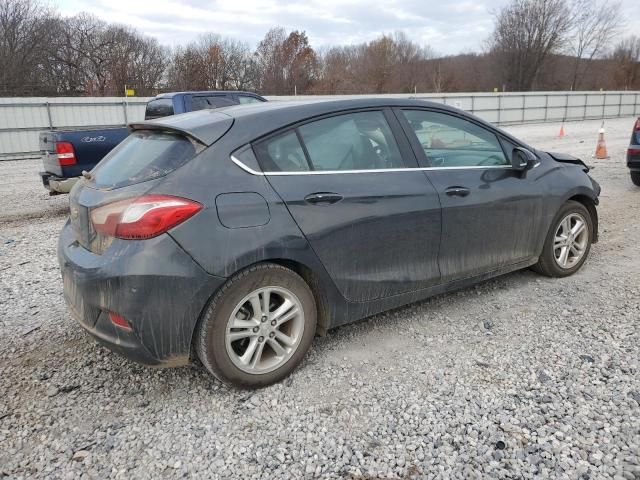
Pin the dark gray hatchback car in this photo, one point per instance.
(238, 234)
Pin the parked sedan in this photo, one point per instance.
(237, 235)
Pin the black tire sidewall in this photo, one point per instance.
(548, 257)
(635, 178)
(211, 342)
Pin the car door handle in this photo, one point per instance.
(457, 191)
(325, 198)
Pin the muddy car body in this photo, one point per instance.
(272, 223)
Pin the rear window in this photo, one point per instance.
(144, 155)
(160, 107)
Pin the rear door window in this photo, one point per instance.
(351, 141)
(160, 107)
(354, 141)
(144, 155)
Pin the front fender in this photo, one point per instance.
(589, 198)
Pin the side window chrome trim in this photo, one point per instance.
(374, 170)
(245, 167)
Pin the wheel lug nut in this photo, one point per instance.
(271, 335)
(261, 339)
(264, 318)
(273, 323)
(255, 329)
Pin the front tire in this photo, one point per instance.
(568, 242)
(635, 178)
(258, 327)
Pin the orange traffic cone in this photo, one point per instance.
(601, 149)
(562, 134)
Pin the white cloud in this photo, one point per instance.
(449, 27)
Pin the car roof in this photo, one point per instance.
(251, 121)
(207, 92)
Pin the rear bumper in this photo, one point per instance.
(152, 283)
(633, 157)
(56, 184)
(633, 165)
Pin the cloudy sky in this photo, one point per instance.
(448, 26)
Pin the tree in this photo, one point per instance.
(525, 34)
(286, 62)
(212, 63)
(596, 23)
(25, 32)
(389, 63)
(135, 61)
(411, 64)
(242, 66)
(92, 57)
(626, 58)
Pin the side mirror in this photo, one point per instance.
(522, 159)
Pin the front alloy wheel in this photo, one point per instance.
(568, 241)
(571, 240)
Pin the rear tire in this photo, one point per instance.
(258, 327)
(567, 246)
(635, 178)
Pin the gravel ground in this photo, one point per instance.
(519, 377)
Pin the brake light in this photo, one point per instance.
(143, 217)
(633, 151)
(66, 154)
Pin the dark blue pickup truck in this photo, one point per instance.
(65, 154)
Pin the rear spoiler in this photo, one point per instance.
(566, 158)
(204, 126)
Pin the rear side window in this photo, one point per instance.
(160, 107)
(246, 99)
(282, 153)
(204, 103)
(144, 155)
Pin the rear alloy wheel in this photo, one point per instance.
(264, 330)
(257, 338)
(568, 241)
(635, 178)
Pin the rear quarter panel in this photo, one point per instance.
(223, 250)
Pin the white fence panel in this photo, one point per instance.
(21, 119)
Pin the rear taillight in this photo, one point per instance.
(143, 217)
(66, 154)
(633, 152)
